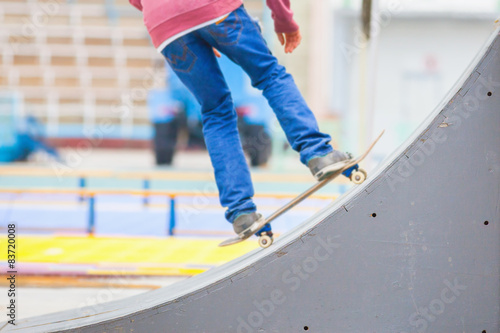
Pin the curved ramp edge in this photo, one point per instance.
(416, 248)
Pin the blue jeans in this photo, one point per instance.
(240, 39)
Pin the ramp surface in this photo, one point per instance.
(416, 248)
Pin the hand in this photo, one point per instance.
(217, 53)
(290, 40)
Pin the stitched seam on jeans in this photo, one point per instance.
(217, 36)
(185, 49)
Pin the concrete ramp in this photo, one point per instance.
(416, 248)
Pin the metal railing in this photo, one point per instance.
(171, 220)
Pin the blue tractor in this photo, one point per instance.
(174, 108)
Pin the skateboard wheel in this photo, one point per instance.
(265, 241)
(358, 176)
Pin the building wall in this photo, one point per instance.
(417, 59)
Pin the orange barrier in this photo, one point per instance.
(88, 193)
(151, 175)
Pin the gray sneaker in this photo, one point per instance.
(322, 166)
(245, 222)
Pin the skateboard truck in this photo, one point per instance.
(355, 174)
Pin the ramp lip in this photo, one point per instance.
(117, 309)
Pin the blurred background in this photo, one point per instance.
(103, 164)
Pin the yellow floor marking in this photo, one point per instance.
(142, 256)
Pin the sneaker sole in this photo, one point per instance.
(331, 169)
(252, 229)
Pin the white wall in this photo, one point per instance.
(418, 59)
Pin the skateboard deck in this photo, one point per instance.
(350, 170)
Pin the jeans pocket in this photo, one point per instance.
(227, 32)
(180, 57)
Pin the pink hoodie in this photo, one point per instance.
(167, 19)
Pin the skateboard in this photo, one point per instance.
(351, 170)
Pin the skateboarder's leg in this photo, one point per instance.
(239, 37)
(193, 60)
